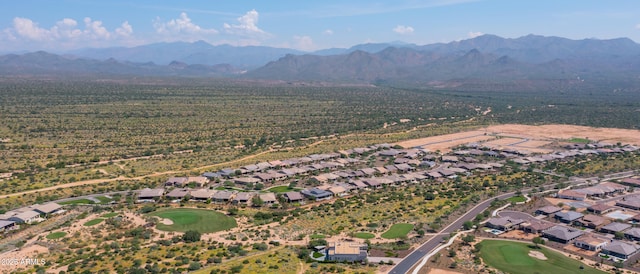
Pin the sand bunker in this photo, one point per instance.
(165, 221)
(538, 255)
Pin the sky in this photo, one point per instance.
(63, 25)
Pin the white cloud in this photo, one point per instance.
(638, 26)
(65, 31)
(328, 32)
(182, 25)
(400, 29)
(248, 25)
(125, 30)
(303, 43)
(474, 34)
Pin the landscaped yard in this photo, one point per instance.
(56, 235)
(281, 189)
(512, 257)
(103, 199)
(317, 236)
(94, 222)
(110, 215)
(397, 231)
(363, 235)
(579, 140)
(517, 199)
(77, 202)
(202, 220)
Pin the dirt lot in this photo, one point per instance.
(539, 136)
(564, 132)
(445, 142)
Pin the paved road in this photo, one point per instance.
(409, 261)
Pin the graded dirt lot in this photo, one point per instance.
(565, 132)
(527, 137)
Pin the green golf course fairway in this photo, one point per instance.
(513, 257)
(201, 220)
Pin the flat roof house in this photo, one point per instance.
(591, 242)
(150, 194)
(7, 225)
(293, 196)
(562, 234)
(568, 216)
(346, 252)
(48, 208)
(620, 250)
(614, 227)
(27, 217)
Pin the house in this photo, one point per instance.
(632, 234)
(357, 184)
(150, 194)
(316, 194)
(562, 234)
(571, 195)
(176, 181)
(6, 225)
(293, 196)
(264, 177)
(178, 193)
(590, 221)
(47, 209)
(212, 175)
(548, 210)
(25, 217)
(381, 170)
(242, 198)
(600, 208)
(246, 180)
(222, 196)
(337, 190)
(568, 216)
(632, 202)
(536, 226)
(268, 198)
(591, 242)
(434, 174)
(620, 250)
(199, 181)
(346, 252)
(614, 227)
(504, 223)
(631, 181)
(201, 194)
(449, 159)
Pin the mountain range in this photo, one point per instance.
(484, 62)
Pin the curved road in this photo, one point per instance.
(409, 261)
(412, 259)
